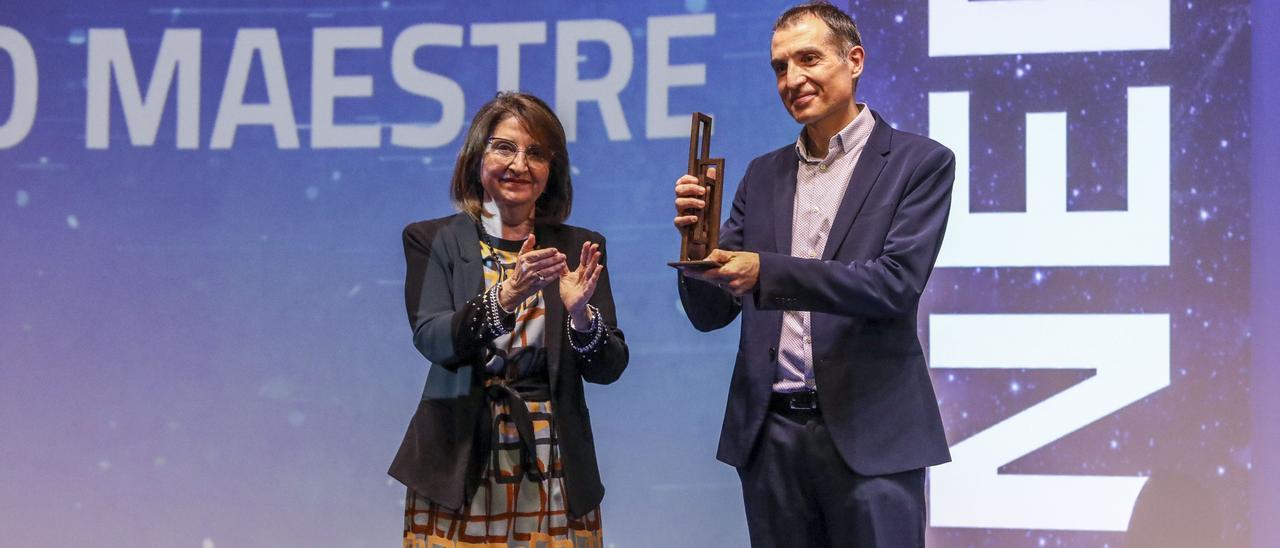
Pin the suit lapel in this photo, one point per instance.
(550, 237)
(471, 268)
(865, 174)
(784, 197)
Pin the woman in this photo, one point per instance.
(512, 308)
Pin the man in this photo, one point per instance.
(831, 418)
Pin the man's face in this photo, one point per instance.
(815, 78)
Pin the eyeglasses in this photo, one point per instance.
(507, 151)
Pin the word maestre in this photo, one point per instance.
(177, 68)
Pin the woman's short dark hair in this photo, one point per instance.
(843, 31)
(541, 123)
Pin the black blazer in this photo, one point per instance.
(443, 280)
(873, 384)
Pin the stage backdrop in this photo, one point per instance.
(202, 334)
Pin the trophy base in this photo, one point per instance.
(704, 264)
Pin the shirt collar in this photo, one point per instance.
(491, 219)
(851, 137)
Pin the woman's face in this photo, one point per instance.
(515, 167)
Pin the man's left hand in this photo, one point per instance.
(738, 273)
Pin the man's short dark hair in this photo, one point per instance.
(843, 32)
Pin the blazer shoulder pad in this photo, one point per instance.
(919, 143)
(421, 233)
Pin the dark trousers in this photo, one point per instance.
(799, 492)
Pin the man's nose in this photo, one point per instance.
(794, 77)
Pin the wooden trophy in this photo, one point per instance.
(698, 239)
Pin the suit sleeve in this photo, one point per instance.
(707, 306)
(606, 363)
(443, 335)
(889, 285)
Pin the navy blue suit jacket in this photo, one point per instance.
(863, 292)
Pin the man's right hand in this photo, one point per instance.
(689, 199)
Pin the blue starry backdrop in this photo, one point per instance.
(204, 344)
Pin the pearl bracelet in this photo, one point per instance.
(494, 312)
(596, 328)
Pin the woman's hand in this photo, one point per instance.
(577, 286)
(534, 270)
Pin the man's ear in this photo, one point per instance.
(856, 57)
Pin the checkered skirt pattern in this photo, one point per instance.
(509, 508)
